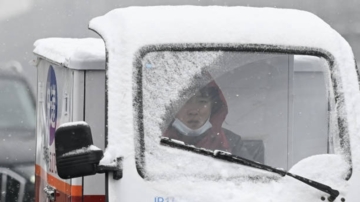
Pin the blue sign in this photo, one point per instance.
(164, 199)
(51, 103)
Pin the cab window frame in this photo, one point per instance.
(246, 48)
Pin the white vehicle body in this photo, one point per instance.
(129, 34)
(68, 90)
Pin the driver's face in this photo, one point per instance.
(195, 111)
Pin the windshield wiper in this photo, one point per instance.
(239, 160)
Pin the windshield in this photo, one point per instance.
(270, 108)
(17, 108)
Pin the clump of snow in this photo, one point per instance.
(336, 169)
(178, 142)
(216, 152)
(82, 150)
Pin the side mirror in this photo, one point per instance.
(76, 155)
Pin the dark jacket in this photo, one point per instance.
(249, 149)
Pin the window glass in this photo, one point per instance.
(16, 106)
(270, 108)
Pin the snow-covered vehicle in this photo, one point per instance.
(17, 132)
(199, 104)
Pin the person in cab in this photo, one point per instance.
(199, 123)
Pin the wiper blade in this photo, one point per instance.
(239, 160)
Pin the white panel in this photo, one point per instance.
(95, 117)
(310, 115)
(78, 106)
(78, 96)
(54, 87)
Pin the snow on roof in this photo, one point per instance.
(214, 24)
(82, 150)
(72, 53)
(75, 123)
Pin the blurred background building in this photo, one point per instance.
(24, 21)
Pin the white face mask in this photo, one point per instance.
(183, 129)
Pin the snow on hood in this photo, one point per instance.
(86, 53)
(127, 30)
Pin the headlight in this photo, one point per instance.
(27, 171)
